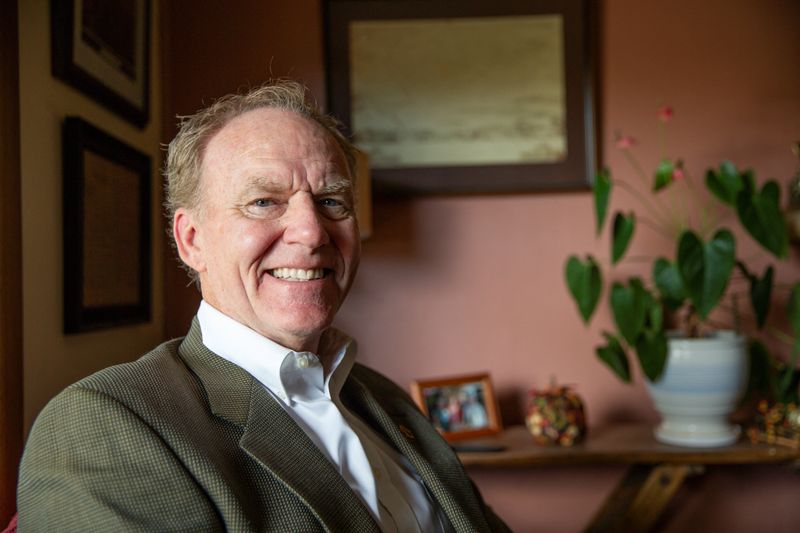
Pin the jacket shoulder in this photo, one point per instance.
(156, 372)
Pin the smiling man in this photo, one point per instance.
(259, 419)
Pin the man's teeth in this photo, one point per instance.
(297, 274)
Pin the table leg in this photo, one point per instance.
(640, 498)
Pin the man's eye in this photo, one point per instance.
(334, 208)
(263, 202)
(262, 208)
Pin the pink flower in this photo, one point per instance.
(678, 173)
(624, 142)
(665, 113)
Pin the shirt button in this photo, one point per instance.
(302, 361)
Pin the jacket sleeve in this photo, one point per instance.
(92, 464)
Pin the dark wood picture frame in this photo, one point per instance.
(576, 171)
(107, 266)
(118, 78)
(476, 389)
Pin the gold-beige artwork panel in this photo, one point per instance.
(459, 91)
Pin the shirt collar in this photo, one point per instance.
(280, 369)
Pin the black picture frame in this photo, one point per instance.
(107, 251)
(576, 171)
(103, 50)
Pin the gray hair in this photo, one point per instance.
(186, 151)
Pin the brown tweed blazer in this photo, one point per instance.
(183, 440)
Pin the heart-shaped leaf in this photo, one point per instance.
(664, 172)
(629, 306)
(691, 263)
(602, 192)
(624, 225)
(771, 192)
(705, 268)
(669, 283)
(748, 182)
(761, 295)
(585, 284)
(760, 214)
(655, 314)
(613, 355)
(726, 183)
(652, 352)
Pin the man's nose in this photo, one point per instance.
(304, 223)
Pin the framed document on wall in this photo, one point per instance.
(466, 96)
(106, 230)
(102, 49)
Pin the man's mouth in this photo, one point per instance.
(298, 274)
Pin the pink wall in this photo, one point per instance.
(462, 284)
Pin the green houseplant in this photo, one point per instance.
(686, 287)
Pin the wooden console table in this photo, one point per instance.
(656, 471)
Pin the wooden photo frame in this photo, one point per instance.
(107, 272)
(103, 50)
(460, 407)
(466, 96)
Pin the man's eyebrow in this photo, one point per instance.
(343, 185)
(257, 185)
(264, 180)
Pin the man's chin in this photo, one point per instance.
(299, 335)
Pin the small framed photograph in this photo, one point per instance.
(102, 49)
(106, 230)
(459, 407)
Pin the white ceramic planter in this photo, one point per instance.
(701, 386)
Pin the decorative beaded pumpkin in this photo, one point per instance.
(555, 416)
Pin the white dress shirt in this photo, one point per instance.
(308, 388)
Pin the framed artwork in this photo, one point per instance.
(102, 49)
(106, 230)
(466, 96)
(460, 407)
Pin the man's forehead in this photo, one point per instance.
(273, 135)
(278, 126)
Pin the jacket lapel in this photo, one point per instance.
(414, 437)
(273, 439)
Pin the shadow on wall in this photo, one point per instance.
(393, 230)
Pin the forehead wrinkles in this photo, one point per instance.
(255, 141)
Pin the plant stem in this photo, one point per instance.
(637, 167)
(783, 285)
(718, 325)
(643, 199)
(743, 269)
(719, 220)
(694, 203)
(658, 229)
(781, 336)
(753, 257)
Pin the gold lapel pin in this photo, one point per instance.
(407, 432)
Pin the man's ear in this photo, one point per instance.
(187, 238)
